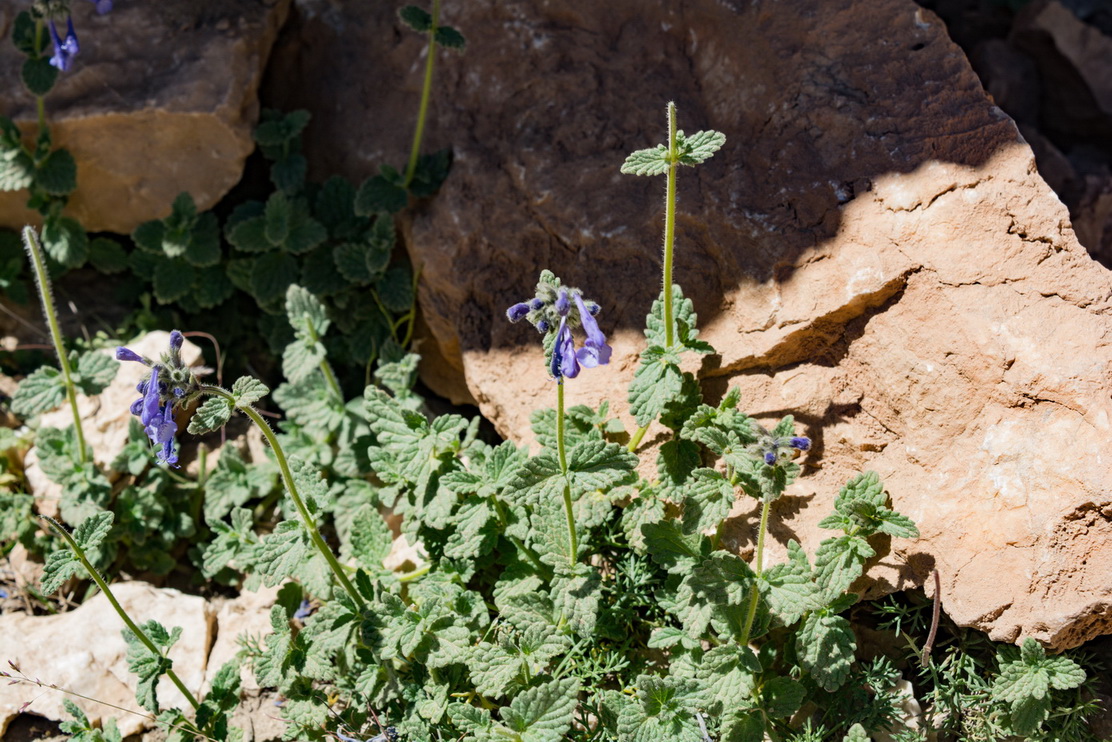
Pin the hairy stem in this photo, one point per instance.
(295, 495)
(752, 612)
(670, 223)
(426, 92)
(573, 541)
(131, 625)
(42, 279)
(325, 366)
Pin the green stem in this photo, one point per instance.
(139, 633)
(325, 366)
(291, 487)
(670, 223)
(752, 613)
(635, 441)
(426, 91)
(569, 513)
(34, 250)
(40, 101)
(415, 574)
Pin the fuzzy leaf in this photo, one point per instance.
(65, 240)
(370, 538)
(729, 673)
(148, 665)
(670, 547)
(652, 161)
(107, 255)
(787, 588)
(57, 173)
(280, 553)
(43, 390)
(699, 147)
(856, 733)
(212, 415)
(825, 645)
(60, 566)
(543, 713)
(416, 18)
(657, 382)
(38, 76)
(378, 194)
(271, 275)
(838, 562)
(301, 358)
(94, 372)
(248, 390)
(450, 38)
(173, 280)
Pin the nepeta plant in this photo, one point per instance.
(576, 592)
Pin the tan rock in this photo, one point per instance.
(84, 652)
(161, 99)
(872, 251)
(246, 616)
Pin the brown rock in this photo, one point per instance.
(1075, 62)
(162, 98)
(872, 251)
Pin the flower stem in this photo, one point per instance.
(40, 101)
(573, 541)
(670, 223)
(291, 487)
(139, 633)
(34, 251)
(426, 91)
(635, 441)
(752, 613)
(326, 367)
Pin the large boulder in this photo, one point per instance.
(873, 251)
(162, 98)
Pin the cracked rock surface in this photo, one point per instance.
(162, 98)
(873, 251)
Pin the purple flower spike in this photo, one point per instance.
(595, 351)
(126, 354)
(64, 50)
(564, 363)
(176, 340)
(152, 403)
(161, 431)
(517, 312)
(562, 303)
(801, 443)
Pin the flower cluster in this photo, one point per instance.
(775, 450)
(65, 49)
(170, 383)
(556, 310)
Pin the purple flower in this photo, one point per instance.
(103, 6)
(64, 50)
(176, 340)
(770, 457)
(595, 351)
(801, 443)
(564, 362)
(161, 430)
(562, 305)
(126, 354)
(517, 312)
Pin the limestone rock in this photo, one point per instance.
(246, 615)
(161, 99)
(84, 652)
(872, 251)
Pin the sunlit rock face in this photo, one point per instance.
(162, 98)
(872, 250)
